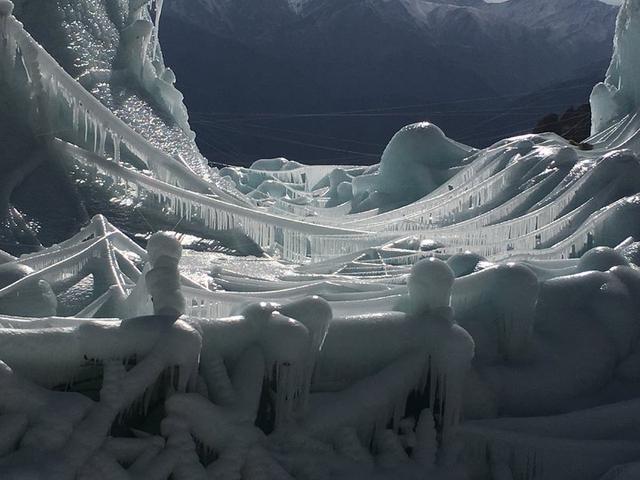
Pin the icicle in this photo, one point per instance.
(285, 391)
(95, 135)
(116, 146)
(156, 32)
(103, 141)
(86, 125)
(75, 113)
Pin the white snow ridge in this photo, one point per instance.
(450, 313)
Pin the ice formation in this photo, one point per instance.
(619, 94)
(449, 313)
(417, 160)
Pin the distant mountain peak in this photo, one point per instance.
(298, 5)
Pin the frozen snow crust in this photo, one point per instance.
(446, 314)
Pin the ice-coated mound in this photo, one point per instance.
(430, 285)
(464, 263)
(272, 189)
(234, 173)
(285, 338)
(314, 313)
(338, 176)
(515, 282)
(163, 244)
(566, 157)
(419, 153)
(340, 187)
(601, 259)
(274, 164)
(418, 159)
(619, 94)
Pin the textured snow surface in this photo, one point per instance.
(448, 313)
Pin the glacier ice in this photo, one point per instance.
(619, 94)
(447, 313)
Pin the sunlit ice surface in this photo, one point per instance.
(447, 313)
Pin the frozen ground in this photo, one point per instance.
(449, 313)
